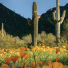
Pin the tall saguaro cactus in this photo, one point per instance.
(34, 24)
(57, 20)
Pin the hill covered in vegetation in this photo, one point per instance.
(16, 25)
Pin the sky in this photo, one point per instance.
(24, 7)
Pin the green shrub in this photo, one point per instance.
(46, 39)
(27, 39)
(8, 41)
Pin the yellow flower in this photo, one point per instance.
(43, 46)
(64, 50)
(42, 56)
(2, 56)
(64, 46)
(31, 53)
(44, 50)
(65, 53)
(4, 52)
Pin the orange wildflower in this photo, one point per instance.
(13, 66)
(22, 53)
(57, 59)
(4, 66)
(39, 61)
(57, 65)
(14, 58)
(66, 47)
(33, 63)
(57, 50)
(7, 60)
(22, 48)
(27, 56)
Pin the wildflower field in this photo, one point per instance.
(45, 55)
(38, 57)
(31, 49)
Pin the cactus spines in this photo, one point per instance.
(34, 24)
(35, 18)
(57, 20)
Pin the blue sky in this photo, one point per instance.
(24, 7)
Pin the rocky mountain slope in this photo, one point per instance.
(14, 23)
(17, 25)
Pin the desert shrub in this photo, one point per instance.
(8, 41)
(46, 39)
(30, 46)
(62, 43)
(21, 45)
(43, 39)
(7, 38)
(6, 44)
(27, 39)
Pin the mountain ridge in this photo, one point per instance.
(18, 25)
(13, 21)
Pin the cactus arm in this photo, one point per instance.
(51, 21)
(54, 16)
(54, 11)
(38, 16)
(29, 23)
(63, 16)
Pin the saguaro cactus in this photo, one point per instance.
(57, 20)
(15, 41)
(34, 24)
(2, 30)
(67, 38)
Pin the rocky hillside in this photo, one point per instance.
(16, 25)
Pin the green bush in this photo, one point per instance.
(46, 39)
(27, 39)
(8, 41)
